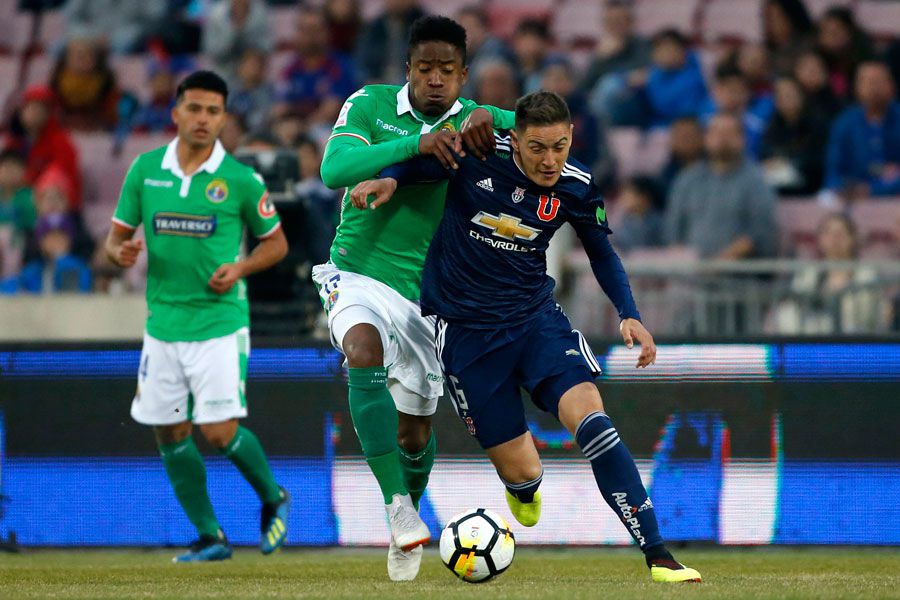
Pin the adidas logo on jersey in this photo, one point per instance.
(486, 184)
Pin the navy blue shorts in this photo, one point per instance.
(486, 369)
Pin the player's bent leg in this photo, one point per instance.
(187, 473)
(417, 446)
(519, 467)
(617, 477)
(244, 450)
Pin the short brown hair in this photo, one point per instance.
(541, 108)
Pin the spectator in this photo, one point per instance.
(844, 46)
(125, 24)
(722, 207)
(793, 147)
(322, 204)
(685, 149)
(36, 132)
(56, 269)
(232, 28)
(892, 58)
(863, 156)
(287, 129)
(826, 301)
(233, 132)
(496, 84)
(589, 141)
(620, 50)
(156, 115)
(345, 21)
(811, 73)
(316, 83)
(731, 94)
(17, 212)
(481, 45)
(382, 46)
(674, 86)
(753, 63)
(531, 48)
(85, 86)
(640, 224)
(788, 31)
(254, 96)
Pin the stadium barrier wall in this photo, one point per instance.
(744, 443)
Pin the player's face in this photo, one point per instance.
(199, 116)
(436, 73)
(542, 150)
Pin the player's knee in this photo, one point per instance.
(521, 472)
(219, 435)
(413, 432)
(362, 346)
(172, 434)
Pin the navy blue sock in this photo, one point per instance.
(618, 479)
(524, 492)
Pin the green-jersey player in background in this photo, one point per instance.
(370, 286)
(194, 201)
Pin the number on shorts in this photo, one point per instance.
(459, 396)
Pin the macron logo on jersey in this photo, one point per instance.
(184, 225)
(486, 184)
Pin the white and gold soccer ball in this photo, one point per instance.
(477, 545)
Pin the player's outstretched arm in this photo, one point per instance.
(120, 248)
(269, 251)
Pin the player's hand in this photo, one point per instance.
(477, 133)
(127, 253)
(634, 331)
(441, 144)
(225, 277)
(383, 189)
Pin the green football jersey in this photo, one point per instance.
(389, 244)
(193, 225)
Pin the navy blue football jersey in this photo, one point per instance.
(487, 265)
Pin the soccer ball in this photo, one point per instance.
(477, 545)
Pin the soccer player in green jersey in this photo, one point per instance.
(194, 201)
(370, 286)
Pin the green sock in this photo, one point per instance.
(186, 471)
(375, 420)
(245, 451)
(417, 468)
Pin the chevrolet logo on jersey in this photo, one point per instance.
(185, 225)
(506, 226)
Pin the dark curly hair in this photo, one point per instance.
(433, 28)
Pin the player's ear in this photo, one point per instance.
(514, 139)
(407, 70)
(465, 74)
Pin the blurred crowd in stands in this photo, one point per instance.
(731, 128)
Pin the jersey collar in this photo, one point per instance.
(170, 159)
(404, 106)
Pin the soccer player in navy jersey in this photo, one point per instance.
(498, 327)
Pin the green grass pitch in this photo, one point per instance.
(617, 574)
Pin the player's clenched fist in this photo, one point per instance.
(382, 189)
(225, 277)
(477, 133)
(440, 144)
(127, 253)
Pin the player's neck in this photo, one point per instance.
(191, 157)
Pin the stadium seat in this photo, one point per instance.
(817, 7)
(278, 62)
(506, 16)
(9, 73)
(653, 15)
(283, 24)
(798, 221)
(654, 151)
(131, 74)
(878, 223)
(576, 21)
(39, 69)
(880, 18)
(15, 28)
(448, 8)
(732, 20)
(52, 29)
(625, 142)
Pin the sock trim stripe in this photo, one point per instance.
(521, 486)
(599, 440)
(604, 449)
(587, 419)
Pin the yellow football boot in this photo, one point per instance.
(526, 513)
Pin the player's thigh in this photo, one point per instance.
(217, 374)
(561, 360)
(163, 394)
(416, 366)
(483, 388)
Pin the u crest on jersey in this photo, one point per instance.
(547, 208)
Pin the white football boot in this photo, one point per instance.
(407, 528)
(403, 566)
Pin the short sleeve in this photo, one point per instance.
(590, 213)
(128, 210)
(355, 117)
(257, 208)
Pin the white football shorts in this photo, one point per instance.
(406, 336)
(202, 382)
